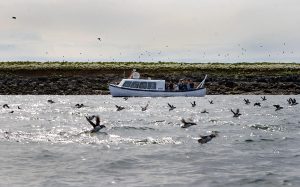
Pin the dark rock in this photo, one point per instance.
(230, 84)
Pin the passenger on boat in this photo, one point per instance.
(185, 85)
(180, 85)
(190, 85)
(171, 86)
(134, 74)
(176, 87)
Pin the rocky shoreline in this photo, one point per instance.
(54, 82)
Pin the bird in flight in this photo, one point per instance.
(292, 101)
(172, 107)
(97, 126)
(187, 124)
(237, 113)
(119, 108)
(264, 98)
(278, 107)
(247, 102)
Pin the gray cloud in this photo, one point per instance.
(130, 27)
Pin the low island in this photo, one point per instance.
(90, 78)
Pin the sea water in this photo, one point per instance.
(44, 144)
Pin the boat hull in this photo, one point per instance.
(117, 91)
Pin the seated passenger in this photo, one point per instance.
(180, 85)
(171, 86)
(176, 87)
(190, 84)
(185, 85)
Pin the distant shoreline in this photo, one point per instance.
(84, 78)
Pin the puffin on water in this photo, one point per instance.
(205, 139)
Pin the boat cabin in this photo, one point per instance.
(143, 84)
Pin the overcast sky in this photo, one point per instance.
(150, 30)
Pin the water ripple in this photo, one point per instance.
(148, 148)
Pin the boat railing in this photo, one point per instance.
(201, 83)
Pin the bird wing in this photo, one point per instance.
(170, 105)
(97, 120)
(92, 123)
(237, 111)
(232, 111)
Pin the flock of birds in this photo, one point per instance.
(185, 124)
(144, 55)
(291, 101)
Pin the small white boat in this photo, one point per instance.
(135, 87)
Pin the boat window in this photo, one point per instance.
(135, 85)
(143, 85)
(127, 83)
(152, 85)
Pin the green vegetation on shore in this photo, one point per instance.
(84, 78)
(215, 68)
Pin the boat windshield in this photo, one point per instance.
(127, 83)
